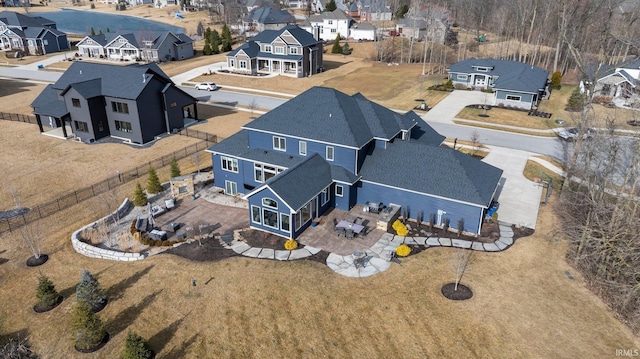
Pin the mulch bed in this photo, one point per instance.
(38, 309)
(463, 292)
(34, 262)
(489, 233)
(104, 341)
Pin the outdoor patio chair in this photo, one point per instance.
(358, 221)
(339, 231)
(349, 233)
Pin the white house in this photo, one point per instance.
(362, 31)
(327, 25)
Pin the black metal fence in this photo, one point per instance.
(71, 199)
(18, 117)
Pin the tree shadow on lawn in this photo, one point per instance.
(181, 351)
(3, 260)
(117, 290)
(161, 338)
(129, 315)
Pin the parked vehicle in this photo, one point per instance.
(209, 86)
(571, 134)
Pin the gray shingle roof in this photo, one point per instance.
(328, 115)
(251, 48)
(301, 35)
(302, 182)
(48, 104)
(513, 75)
(270, 15)
(438, 171)
(117, 81)
(17, 19)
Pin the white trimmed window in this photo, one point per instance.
(463, 77)
(513, 98)
(232, 63)
(230, 188)
(255, 215)
(339, 190)
(326, 196)
(329, 153)
(279, 143)
(333, 31)
(302, 148)
(243, 64)
(229, 164)
(280, 50)
(270, 218)
(267, 48)
(269, 202)
(293, 50)
(285, 225)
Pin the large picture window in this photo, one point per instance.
(263, 173)
(279, 50)
(123, 126)
(279, 143)
(463, 77)
(229, 164)
(513, 98)
(270, 218)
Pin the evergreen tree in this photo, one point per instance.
(153, 182)
(88, 329)
(108, 30)
(92, 31)
(576, 101)
(401, 11)
(556, 80)
(136, 347)
(336, 49)
(46, 294)
(346, 50)
(331, 6)
(175, 168)
(215, 41)
(99, 31)
(226, 39)
(206, 50)
(200, 29)
(89, 291)
(139, 198)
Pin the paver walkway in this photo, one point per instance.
(377, 258)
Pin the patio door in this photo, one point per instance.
(440, 218)
(481, 80)
(314, 208)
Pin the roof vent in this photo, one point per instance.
(80, 72)
(143, 78)
(329, 115)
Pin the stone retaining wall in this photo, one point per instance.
(88, 250)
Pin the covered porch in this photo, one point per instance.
(287, 67)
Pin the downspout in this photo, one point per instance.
(164, 109)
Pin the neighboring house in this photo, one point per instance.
(34, 35)
(327, 25)
(514, 84)
(319, 5)
(362, 31)
(289, 51)
(266, 18)
(432, 23)
(251, 5)
(144, 45)
(324, 149)
(135, 103)
(621, 83)
(371, 10)
(298, 4)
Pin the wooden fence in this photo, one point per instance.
(18, 117)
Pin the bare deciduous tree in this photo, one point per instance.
(461, 261)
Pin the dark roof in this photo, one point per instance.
(302, 182)
(302, 36)
(48, 104)
(438, 171)
(117, 81)
(328, 115)
(270, 15)
(138, 38)
(88, 89)
(251, 48)
(16, 19)
(512, 75)
(336, 14)
(425, 134)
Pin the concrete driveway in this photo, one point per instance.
(447, 109)
(519, 198)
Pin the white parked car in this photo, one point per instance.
(571, 134)
(209, 86)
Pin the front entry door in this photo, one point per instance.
(481, 80)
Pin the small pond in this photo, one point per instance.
(81, 22)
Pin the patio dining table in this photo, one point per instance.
(356, 228)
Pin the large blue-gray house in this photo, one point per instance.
(326, 149)
(514, 83)
(134, 103)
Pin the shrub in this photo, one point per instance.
(166, 243)
(88, 329)
(576, 101)
(89, 291)
(46, 294)
(336, 49)
(346, 50)
(400, 228)
(449, 84)
(494, 216)
(136, 347)
(157, 243)
(290, 244)
(403, 250)
(175, 168)
(133, 229)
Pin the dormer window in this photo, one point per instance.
(279, 50)
(483, 69)
(293, 50)
(267, 48)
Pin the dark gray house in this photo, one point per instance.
(153, 46)
(34, 35)
(324, 149)
(135, 103)
(514, 84)
(266, 18)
